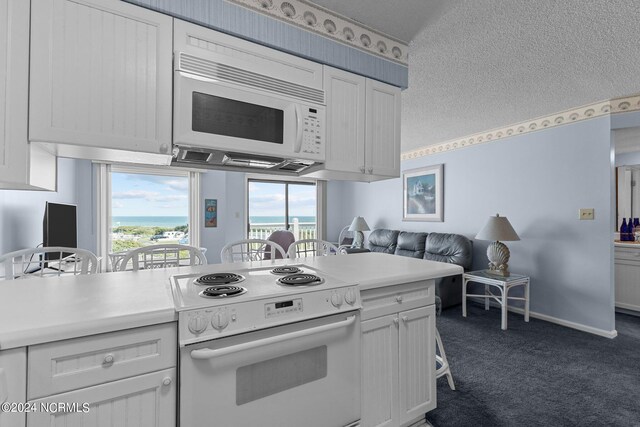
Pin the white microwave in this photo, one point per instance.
(222, 108)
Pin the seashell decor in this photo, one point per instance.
(316, 19)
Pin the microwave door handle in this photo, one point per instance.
(207, 353)
(298, 145)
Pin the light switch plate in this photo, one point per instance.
(586, 213)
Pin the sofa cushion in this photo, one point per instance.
(383, 240)
(445, 247)
(411, 244)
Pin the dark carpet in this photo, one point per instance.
(536, 373)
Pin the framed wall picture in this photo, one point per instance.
(423, 194)
(210, 212)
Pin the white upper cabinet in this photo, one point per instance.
(383, 129)
(363, 128)
(22, 166)
(345, 121)
(101, 80)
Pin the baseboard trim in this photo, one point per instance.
(557, 321)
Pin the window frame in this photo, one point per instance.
(103, 176)
(321, 198)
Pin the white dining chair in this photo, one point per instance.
(48, 261)
(160, 256)
(251, 250)
(311, 247)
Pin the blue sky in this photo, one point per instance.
(267, 199)
(149, 195)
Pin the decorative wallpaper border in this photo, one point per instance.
(616, 105)
(329, 24)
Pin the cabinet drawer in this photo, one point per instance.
(392, 299)
(627, 254)
(81, 362)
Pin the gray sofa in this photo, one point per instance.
(443, 247)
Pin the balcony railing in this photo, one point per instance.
(301, 230)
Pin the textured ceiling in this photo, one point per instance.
(476, 65)
(401, 20)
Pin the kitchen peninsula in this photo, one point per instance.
(100, 338)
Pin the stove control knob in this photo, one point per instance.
(336, 299)
(197, 324)
(220, 320)
(350, 296)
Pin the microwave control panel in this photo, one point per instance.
(312, 131)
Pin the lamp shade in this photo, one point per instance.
(498, 228)
(359, 224)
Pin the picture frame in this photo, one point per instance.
(210, 213)
(423, 194)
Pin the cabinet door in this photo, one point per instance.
(379, 371)
(22, 167)
(417, 362)
(143, 401)
(627, 287)
(345, 94)
(101, 75)
(13, 384)
(383, 129)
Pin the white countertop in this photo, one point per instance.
(627, 244)
(38, 310)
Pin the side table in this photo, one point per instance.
(504, 284)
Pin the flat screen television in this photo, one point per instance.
(59, 227)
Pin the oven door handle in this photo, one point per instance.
(207, 353)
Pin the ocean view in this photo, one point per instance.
(174, 221)
(150, 221)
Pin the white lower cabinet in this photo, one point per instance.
(124, 378)
(145, 400)
(13, 384)
(627, 278)
(398, 355)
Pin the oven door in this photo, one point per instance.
(301, 374)
(223, 116)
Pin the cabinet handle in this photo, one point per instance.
(166, 381)
(108, 359)
(362, 169)
(405, 319)
(399, 299)
(370, 171)
(395, 321)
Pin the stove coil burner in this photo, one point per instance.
(301, 280)
(223, 291)
(218, 279)
(286, 270)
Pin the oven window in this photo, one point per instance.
(228, 117)
(273, 376)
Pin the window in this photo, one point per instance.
(142, 206)
(284, 205)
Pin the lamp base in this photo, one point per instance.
(358, 241)
(498, 255)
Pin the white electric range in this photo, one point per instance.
(268, 347)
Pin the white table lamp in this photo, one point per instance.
(358, 225)
(496, 229)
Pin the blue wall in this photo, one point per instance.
(539, 181)
(21, 212)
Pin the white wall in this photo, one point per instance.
(539, 181)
